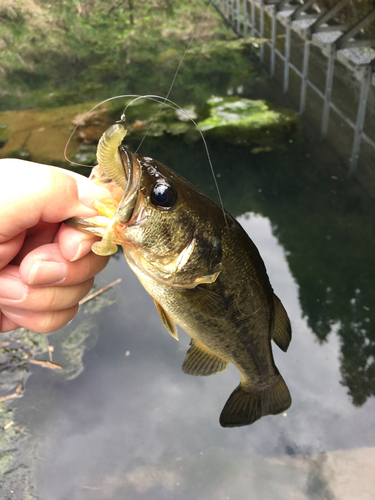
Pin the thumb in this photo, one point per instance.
(31, 192)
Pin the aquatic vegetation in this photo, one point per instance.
(249, 123)
(41, 135)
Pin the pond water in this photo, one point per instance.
(121, 420)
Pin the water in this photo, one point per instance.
(123, 421)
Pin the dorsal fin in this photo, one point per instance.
(282, 333)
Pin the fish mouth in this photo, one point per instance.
(119, 209)
(131, 172)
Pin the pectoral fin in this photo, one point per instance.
(207, 302)
(201, 361)
(166, 320)
(282, 333)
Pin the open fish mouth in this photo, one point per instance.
(119, 172)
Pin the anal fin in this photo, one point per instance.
(201, 361)
(166, 320)
(282, 333)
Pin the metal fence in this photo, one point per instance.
(276, 22)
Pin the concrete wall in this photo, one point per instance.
(348, 78)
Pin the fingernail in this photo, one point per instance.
(45, 272)
(11, 288)
(83, 248)
(77, 255)
(89, 192)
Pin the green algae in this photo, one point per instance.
(248, 122)
(74, 346)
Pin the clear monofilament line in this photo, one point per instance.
(175, 106)
(163, 102)
(166, 98)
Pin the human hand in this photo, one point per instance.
(46, 267)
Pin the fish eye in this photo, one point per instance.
(163, 196)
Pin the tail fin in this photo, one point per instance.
(244, 408)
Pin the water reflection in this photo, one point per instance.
(133, 425)
(123, 421)
(324, 221)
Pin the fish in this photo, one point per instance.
(202, 270)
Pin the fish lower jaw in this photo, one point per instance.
(100, 221)
(93, 225)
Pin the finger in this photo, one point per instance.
(10, 248)
(74, 244)
(40, 322)
(14, 293)
(43, 193)
(6, 324)
(47, 266)
(43, 233)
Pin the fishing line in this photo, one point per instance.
(166, 99)
(163, 101)
(176, 107)
(138, 96)
(176, 72)
(82, 120)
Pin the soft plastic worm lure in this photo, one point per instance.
(109, 160)
(107, 152)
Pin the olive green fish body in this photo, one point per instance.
(231, 319)
(205, 275)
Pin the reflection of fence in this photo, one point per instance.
(319, 61)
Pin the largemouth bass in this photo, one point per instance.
(201, 269)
